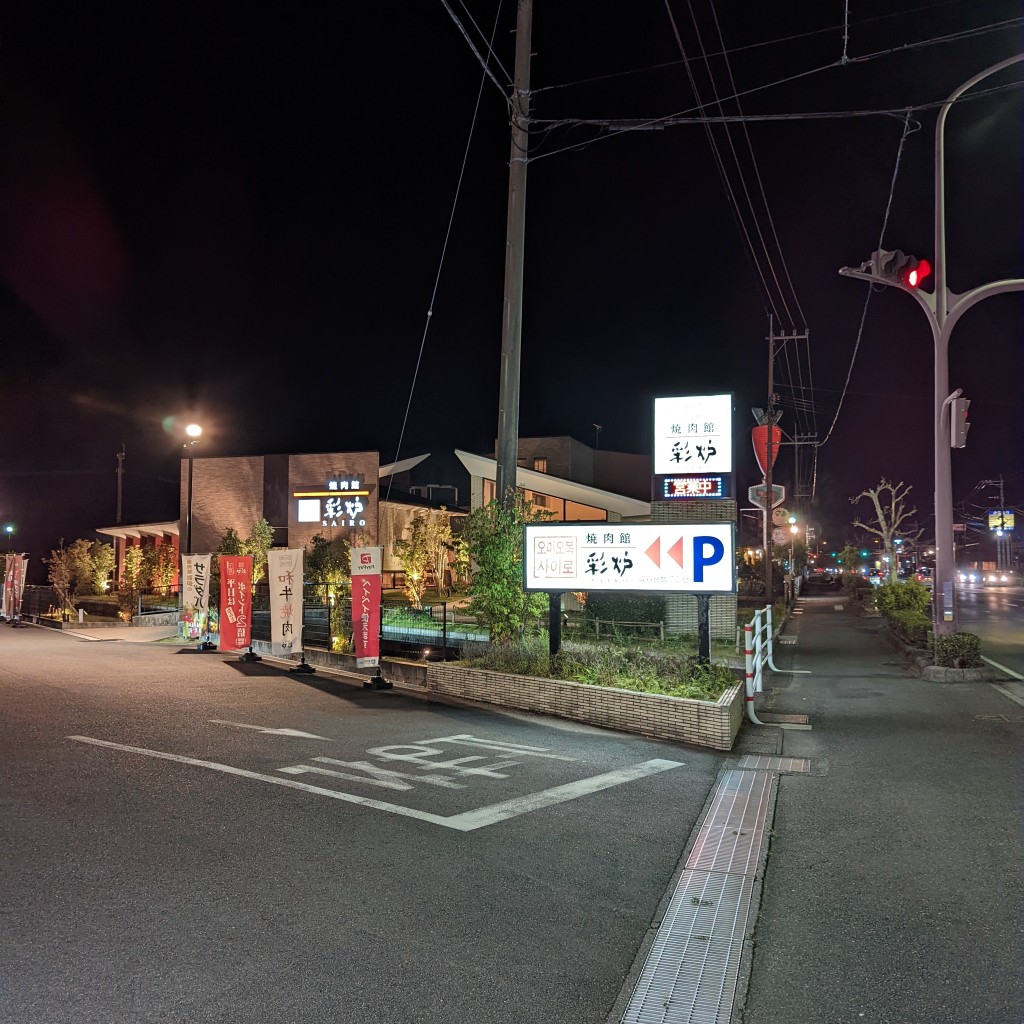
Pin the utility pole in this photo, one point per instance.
(769, 594)
(507, 454)
(120, 482)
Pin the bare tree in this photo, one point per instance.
(891, 512)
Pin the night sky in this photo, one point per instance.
(209, 212)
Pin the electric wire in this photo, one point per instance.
(719, 163)
(444, 250)
(773, 42)
(907, 130)
(488, 73)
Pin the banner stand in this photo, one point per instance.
(377, 682)
(303, 667)
(250, 655)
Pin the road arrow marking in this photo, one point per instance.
(266, 730)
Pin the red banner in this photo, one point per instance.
(366, 619)
(235, 602)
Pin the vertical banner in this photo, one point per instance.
(235, 602)
(284, 572)
(366, 585)
(195, 595)
(14, 585)
(9, 585)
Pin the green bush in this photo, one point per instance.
(911, 625)
(908, 596)
(626, 607)
(958, 650)
(854, 583)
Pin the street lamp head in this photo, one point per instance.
(193, 430)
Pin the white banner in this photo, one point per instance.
(195, 595)
(284, 573)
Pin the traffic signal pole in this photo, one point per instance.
(944, 309)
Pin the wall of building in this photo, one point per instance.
(315, 470)
(225, 492)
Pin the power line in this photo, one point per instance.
(444, 247)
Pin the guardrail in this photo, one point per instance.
(759, 651)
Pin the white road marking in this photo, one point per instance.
(1003, 668)
(1007, 692)
(837, 607)
(468, 740)
(268, 731)
(468, 821)
(483, 816)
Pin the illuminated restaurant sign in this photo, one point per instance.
(340, 501)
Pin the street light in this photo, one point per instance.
(944, 308)
(9, 529)
(193, 431)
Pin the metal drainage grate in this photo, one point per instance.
(786, 641)
(728, 849)
(691, 971)
(764, 763)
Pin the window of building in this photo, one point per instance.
(540, 464)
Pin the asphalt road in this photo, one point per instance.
(189, 838)
(996, 614)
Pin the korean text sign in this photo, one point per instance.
(366, 587)
(696, 558)
(693, 434)
(235, 602)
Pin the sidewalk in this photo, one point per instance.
(893, 889)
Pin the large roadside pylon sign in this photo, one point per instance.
(695, 558)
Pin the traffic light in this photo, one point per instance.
(958, 425)
(896, 267)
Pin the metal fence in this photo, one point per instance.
(437, 630)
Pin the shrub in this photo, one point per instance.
(675, 675)
(854, 583)
(910, 595)
(911, 625)
(959, 650)
(626, 607)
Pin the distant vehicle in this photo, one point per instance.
(876, 577)
(925, 576)
(1000, 578)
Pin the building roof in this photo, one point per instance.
(404, 466)
(557, 487)
(138, 530)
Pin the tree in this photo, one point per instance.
(439, 544)
(415, 553)
(165, 566)
(257, 544)
(889, 501)
(328, 561)
(495, 538)
(103, 562)
(61, 573)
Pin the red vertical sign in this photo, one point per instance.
(366, 587)
(235, 602)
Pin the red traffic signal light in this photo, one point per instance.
(914, 272)
(896, 267)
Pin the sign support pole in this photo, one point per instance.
(704, 628)
(554, 623)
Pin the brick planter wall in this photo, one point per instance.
(701, 723)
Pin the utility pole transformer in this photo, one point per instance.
(507, 454)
